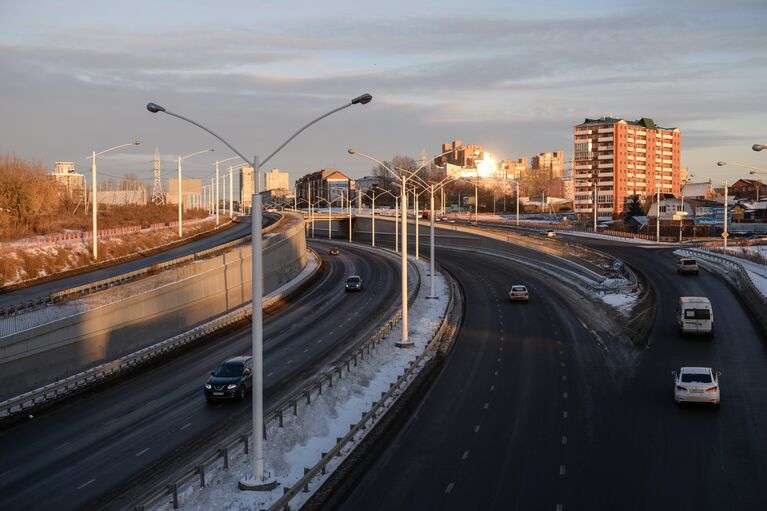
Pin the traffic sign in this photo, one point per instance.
(725, 234)
(617, 264)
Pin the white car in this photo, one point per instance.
(696, 384)
(518, 293)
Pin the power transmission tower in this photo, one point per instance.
(158, 198)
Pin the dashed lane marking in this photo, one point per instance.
(487, 405)
(564, 415)
(268, 375)
(465, 455)
(564, 395)
(561, 470)
(289, 362)
(564, 378)
(499, 359)
(61, 446)
(564, 440)
(186, 426)
(85, 484)
(449, 488)
(496, 373)
(110, 422)
(142, 452)
(476, 428)
(562, 364)
(492, 388)
(560, 507)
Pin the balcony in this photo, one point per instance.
(582, 202)
(667, 137)
(585, 166)
(641, 176)
(667, 153)
(640, 158)
(669, 162)
(605, 139)
(605, 174)
(605, 156)
(605, 165)
(667, 185)
(583, 132)
(641, 150)
(630, 140)
(641, 141)
(605, 148)
(606, 130)
(607, 183)
(667, 145)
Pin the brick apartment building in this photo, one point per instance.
(328, 184)
(623, 158)
(276, 180)
(460, 155)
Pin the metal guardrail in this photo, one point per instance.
(41, 301)
(276, 416)
(729, 262)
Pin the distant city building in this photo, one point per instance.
(246, 186)
(71, 184)
(191, 189)
(702, 191)
(623, 158)
(276, 180)
(328, 184)
(515, 170)
(462, 156)
(364, 184)
(552, 162)
(748, 189)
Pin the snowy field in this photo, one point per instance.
(303, 439)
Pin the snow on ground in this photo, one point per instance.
(303, 439)
(622, 302)
(756, 272)
(597, 235)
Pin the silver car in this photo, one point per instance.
(518, 293)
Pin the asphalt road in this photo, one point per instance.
(530, 413)
(235, 232)
(74, 453)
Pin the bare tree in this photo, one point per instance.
(27, 192)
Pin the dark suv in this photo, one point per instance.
(232, 380)
(353, 283)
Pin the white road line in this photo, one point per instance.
(564, 378)
(186, 426)
(62, 445)
(465, 455)
(496, 373)
(560, 507)
(110, 422)
(319, 341)
(142, 451)
(449, 488)
(289, 362)
(476, 428)
(562, 364)
(561, 470)
(492, 388)
(268, 375)
(499, 359)
(487, 405)
(500, 348)
(564, 440)
(307, 349)
(564, 395)
(564, 415)
(85, 484)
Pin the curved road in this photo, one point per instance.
(68, 457)
(530, 413)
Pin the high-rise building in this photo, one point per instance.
(459, 154)
(190, 189)
(621, 159)
(246, 186)
(552, 162)
(276, 180)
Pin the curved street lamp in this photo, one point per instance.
(759, 147)
(95, 207)
(180, 196)
(257, 479)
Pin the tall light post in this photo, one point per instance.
(95, 207)
(180, 194)
(681, 217)
(257, 479)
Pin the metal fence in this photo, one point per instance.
(727, 261)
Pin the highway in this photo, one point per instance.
(237, 231)
(529, 412)
(93, 445)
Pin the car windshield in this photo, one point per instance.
(697, 314)
(353, 280)
(696, 378)
(229, 370)
(688, 262)
(518, 288)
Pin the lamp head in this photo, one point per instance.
(759, 147)
(751, 172)
(721, 163)
(154, 108)
(351, 151)
(362, 100)
(136, 142)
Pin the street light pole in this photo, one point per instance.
(257, 479)
(95, 207)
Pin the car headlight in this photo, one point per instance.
(207, 385)
(231, 386)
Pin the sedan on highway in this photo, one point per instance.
(353, 283)
(232, 380)
(697, 385)
(518, 293)
(334, 251)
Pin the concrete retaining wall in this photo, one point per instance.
(211, 287)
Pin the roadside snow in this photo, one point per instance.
(756, 272)
(303, 439)
(622, 302)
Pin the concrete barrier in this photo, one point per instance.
(53, 351)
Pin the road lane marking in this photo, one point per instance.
(499, 359)
(564, 440)
(289, 362)
(564, 415)
(186, 426)
(319, 341)
(561, 470)
(449, 488)
(62, 445)
(564, 395)
(492, 388)
(110, 422)
(465, 455)
(560, 507)
(85, 484)
(500, 348)
(307, 349)
(564, 378)
(487, 405)
(268, 375)
(142, 452)
(476, 428)
(562, 364)
(496, 373)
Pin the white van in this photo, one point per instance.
(694, 315)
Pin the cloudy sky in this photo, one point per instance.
(76, 76)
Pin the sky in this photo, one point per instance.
(514, 77)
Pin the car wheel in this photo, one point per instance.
(241, 393)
